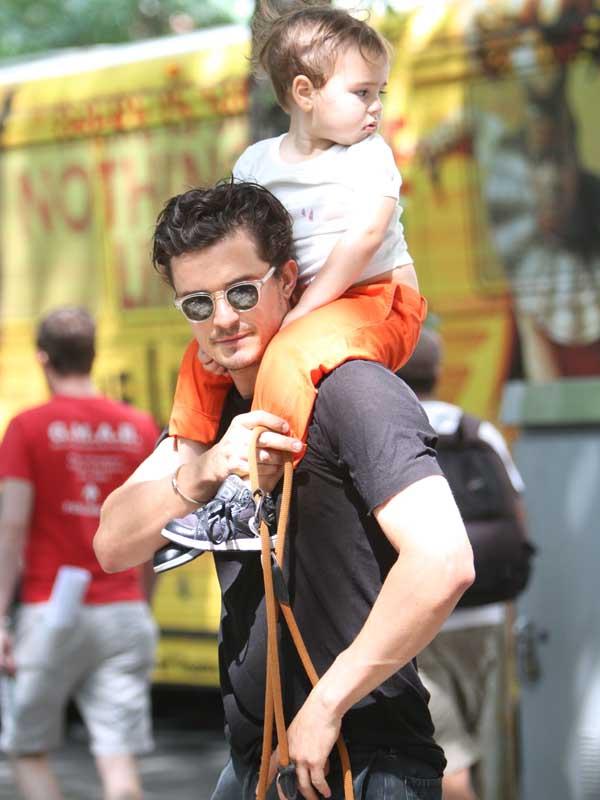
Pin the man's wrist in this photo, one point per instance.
(198, 480)
(334, 690)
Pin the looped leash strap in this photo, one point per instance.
(276, 596)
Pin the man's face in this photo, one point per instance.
(235, 340)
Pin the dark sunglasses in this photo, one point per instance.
(242, 296)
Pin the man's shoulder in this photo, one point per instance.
(355, 375)
(363, 387)
(82, 408)
(30, 415)
(119, 412)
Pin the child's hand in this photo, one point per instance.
(209, 364)
(292, 316)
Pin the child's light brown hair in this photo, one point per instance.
(307, 40)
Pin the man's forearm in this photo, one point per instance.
(132, 518)
(11, 554)
(413, 603)
(133, 515)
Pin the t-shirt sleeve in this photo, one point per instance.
(15, 461)
(374, 169)
(377, 429)
(244, 168)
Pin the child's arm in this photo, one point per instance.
(348, 259)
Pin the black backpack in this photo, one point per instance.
(487, 501)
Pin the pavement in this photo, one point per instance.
(190, 752)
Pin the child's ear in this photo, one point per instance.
(302, 92)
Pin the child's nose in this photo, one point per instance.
(376, 106)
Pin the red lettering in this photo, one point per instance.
(137, 191)
(76, 219)
(106, 170)
(37, 203)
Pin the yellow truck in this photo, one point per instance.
(490, 112)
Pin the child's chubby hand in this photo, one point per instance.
(209, 364)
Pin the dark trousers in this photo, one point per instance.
(378, 775)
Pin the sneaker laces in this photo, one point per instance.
(222, 520)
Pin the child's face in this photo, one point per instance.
(348, 107)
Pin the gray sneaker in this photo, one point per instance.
(173, 555)
(227, 522)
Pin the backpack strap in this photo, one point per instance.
(277, 597)
(468, 428)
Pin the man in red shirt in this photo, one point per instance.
(78, 632)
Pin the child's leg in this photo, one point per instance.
(198, 401)
(377, 322)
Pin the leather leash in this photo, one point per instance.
(277, 598)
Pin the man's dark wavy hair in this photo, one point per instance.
(67, 335)
(201, 217)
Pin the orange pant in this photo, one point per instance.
(377, 322)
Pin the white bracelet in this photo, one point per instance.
(178, 491)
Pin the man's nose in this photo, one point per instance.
(224, 315)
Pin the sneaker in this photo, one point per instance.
(173, 555)
(225, 523)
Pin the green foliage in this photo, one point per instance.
(33, 26)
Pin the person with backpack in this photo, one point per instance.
(462, 667)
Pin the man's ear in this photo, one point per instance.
(288, 277)
(302, 92)
(42, 358)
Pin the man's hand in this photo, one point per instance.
(7, 659)
(230, 454)
(311, 738)
(209, 364)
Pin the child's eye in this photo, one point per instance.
(382, 92)
(361, 92)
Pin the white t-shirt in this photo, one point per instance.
(444, 419)
(327, 195)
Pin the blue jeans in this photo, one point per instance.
(379, 774)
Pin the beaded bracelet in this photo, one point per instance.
(178, 491)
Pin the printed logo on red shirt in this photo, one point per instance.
(62, 434)
(88, 506)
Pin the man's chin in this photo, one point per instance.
(241, 354)
(237, 361)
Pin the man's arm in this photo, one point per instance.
(434, 567)
(133, 516)
(15, 513)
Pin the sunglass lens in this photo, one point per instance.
(197, 309)
(243, 297)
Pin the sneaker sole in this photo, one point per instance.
(247, 545)
(179, 561)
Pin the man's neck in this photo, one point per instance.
(71, 385)
(244, 381)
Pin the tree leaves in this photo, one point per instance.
(33, 26)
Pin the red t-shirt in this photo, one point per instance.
(75, 451)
